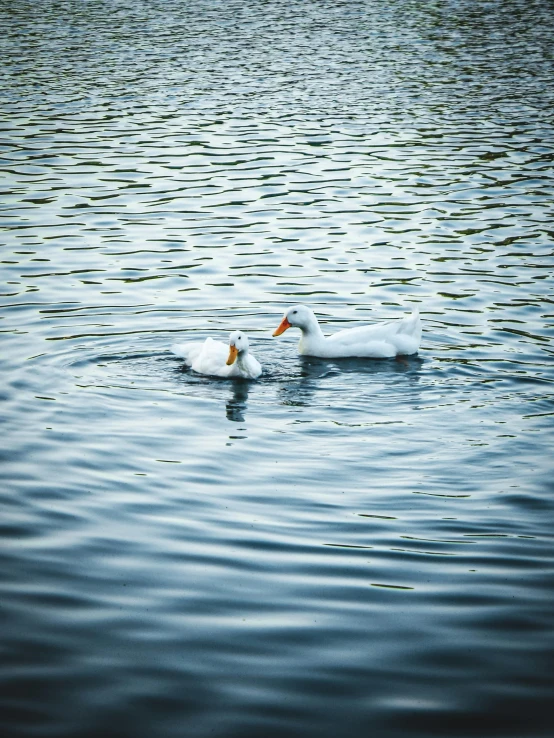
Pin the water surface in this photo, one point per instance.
(341, 548)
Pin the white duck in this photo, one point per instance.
(379, 341)
(218, 360)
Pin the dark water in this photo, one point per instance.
(355, 548)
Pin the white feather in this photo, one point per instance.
(379, 341)
(210, 357)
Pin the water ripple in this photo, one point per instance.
(341, 545)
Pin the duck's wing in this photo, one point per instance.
(187, 351)
(380, 340)
(212, 359)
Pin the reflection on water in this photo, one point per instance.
(237, 404)
(350, 382)
(314, 367)
(346, 547)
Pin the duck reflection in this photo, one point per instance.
(237, 403)
(301, 389)
(320, 368)
(313, 370)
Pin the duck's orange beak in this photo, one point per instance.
(284, 324)
(233, 353)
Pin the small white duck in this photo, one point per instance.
(218, 360)
(379, 341)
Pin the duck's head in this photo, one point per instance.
(238, 344)
(298, 316)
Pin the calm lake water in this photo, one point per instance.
(357, 548)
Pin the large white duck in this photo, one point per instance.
(218, 360)
(379, 341)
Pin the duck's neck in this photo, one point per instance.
(241, 360)
(311, 334)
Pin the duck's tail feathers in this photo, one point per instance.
(414, 325)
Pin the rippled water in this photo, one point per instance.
(341, 548)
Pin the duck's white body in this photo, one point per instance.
(379, 341)
(216, 359)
